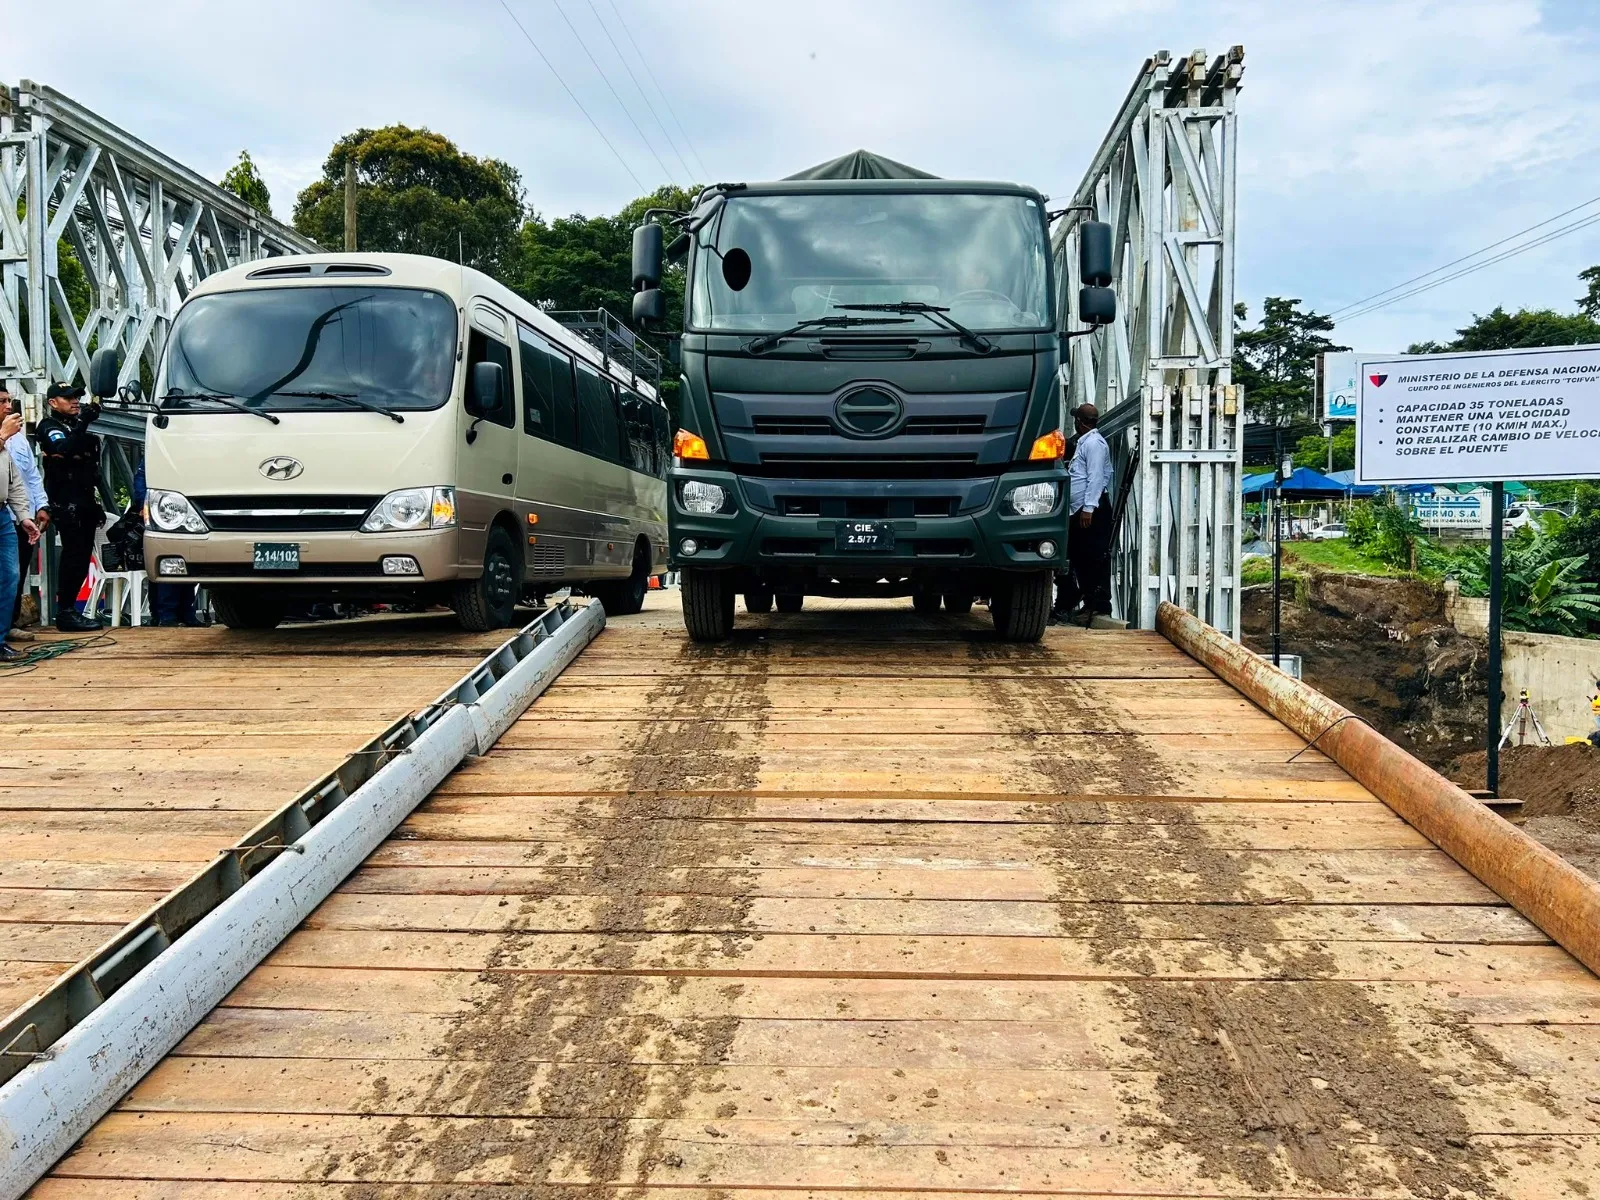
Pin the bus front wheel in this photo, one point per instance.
(490, 600)
(707, 605)
(248, 607)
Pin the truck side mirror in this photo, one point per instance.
(1097, 305)
(647, 255)
(103, 371)
(1094, 254)
(488, 387)
(649, 306)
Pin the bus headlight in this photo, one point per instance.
(1032, 499)
(411, 509)
(171, 512)
(703, 498)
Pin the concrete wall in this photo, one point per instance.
(1559, 672)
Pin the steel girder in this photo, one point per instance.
(145, 228)
(1161, 374)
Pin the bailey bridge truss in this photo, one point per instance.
(1161, 373)
(144, 229)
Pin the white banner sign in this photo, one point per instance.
(1499, 414)
(1451, 512)
(1341, 372)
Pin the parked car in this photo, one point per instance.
(1332, 531)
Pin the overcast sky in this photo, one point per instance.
(1378, 140)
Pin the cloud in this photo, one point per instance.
(1377, 139)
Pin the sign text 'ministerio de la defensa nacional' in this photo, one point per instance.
(1500, 414)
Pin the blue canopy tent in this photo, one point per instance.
(1305, 484)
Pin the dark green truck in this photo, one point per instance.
(870, 399)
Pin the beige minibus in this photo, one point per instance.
(389, 427)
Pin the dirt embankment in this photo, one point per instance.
(1559, 787)
(1384, 649)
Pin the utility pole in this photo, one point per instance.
(1497, 516)
(350, 204)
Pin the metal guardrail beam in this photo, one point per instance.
(1161, 374)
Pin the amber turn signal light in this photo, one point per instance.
(1051, 445)
(689, 445)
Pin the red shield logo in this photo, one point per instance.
(1378, 380)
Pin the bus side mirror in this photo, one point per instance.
(488, 387)
(103, 372)
(675, 351)
(1094, 253)
(1097, 305)
(649, 306)
(647, 255)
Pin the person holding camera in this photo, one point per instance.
(71, 457)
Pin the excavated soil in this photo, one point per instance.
(1559, 787)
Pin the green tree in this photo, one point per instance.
(1589, 302)
(1523, 329)
(245, 182)
(1312, 451)
(1276, 362)
(1580, 534)
(418, 193)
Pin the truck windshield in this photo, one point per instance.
(981, 256)
(293, 349)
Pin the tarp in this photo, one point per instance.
(1306, 484)
(861, 164)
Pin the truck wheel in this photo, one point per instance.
(627, 597)
(925, 601)
(758, 601)
(707, 605)
(1021, 606)
(957, 603)
(248, 607)
(490, 600)
(789, 602)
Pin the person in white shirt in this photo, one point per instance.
(1088, 576)
(15, 442)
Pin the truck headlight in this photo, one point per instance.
(411, 509)
(1032, 499)
(171, 512)
(703, 498)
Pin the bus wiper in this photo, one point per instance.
(228, 400)
(933, 312)
(348, 398)
(768, 341)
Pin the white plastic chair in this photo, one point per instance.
(129, 590)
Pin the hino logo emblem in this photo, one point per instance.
(869, 412)
(282, 467)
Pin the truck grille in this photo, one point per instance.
(897, 507)
(870, 466)
(284, 514)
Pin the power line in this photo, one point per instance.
(574, 96)
(705, 175)
(688, 171)
(665, 170)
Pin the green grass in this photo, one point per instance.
(1338, 556)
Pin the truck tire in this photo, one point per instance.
(758, 601)
(624, 598)
(957, 604)
(248, 607)
(490, 600)
(707, 605)
(1021, 606)
(790, 602)
(925, 601)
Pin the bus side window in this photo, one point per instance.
(483, 348)
(636, 420)
(661, 427)
(597, 415)
(547, 390)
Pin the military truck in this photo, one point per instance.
(870, 402)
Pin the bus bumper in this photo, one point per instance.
(427, 556)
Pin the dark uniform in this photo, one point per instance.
(69, 456)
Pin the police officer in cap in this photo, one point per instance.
(71, 458)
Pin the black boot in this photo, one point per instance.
(68, 621)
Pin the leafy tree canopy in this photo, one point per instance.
(418, 193)
(1276, 362)
(1524, 329)
(245, 182)
(1312, 451)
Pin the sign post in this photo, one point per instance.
(1464, 418)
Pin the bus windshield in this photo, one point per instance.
(982, 256)
(299, 348)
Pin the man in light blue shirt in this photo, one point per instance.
(16, 445)
(1088, 576)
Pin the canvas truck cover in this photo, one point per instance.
(861, 164)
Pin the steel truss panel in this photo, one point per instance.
(145, 228)
(1161, 374)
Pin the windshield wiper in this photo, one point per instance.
(228, 400)
(348, 398)
(768, 341)
(933, 312)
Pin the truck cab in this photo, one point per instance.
(870, 402)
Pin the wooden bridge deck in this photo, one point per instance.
(130, 763)
(869, 904)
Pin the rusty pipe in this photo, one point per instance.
(1537, 882)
